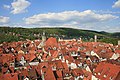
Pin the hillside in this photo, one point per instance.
(8, 34)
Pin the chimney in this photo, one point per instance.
(95, 38)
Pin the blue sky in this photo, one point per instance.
(96, 15)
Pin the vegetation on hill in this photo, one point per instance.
(8, 34)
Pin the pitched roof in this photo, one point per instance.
(49, 74)
(54, 53)
(106, 71)
(51, 42)
(77, 72)
(6, 58)
(32, 74)
(10, 76)
(65, 66)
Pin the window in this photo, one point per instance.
(99, 73)
(111, 78)
(95, 73)
(105, 76)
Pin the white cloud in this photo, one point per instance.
(19, 6)
(106, 12)
(4, 19)
(6, 7)
(68, 18)
(116, 4)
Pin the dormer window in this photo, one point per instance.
(103, 51)
(105, 76)
(95, 73)
(54, 48)
(99, 73)
(118, 60)
(12, 75)
(111, 78)
(66, 74)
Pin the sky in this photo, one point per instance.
(98, 15)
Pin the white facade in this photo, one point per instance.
(94, 54)
(115, 56)
(73, 65)
(94, 78)
(119, 42)
(22, 61)
(88, 69)
(26, 78)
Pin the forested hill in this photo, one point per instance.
(8, 34)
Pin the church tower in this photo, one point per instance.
(43, 37)
(41, 45)
(95, 38)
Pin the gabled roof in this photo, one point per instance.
(58, 64)
(32, 74)
(6, 58)
(117, 51)
(77, 72)
(58, 73)
(51, 42)
(24, 72)
(105, 71)
(10, 76)
(65, 66)
(19, 56)
(48, 74)
(29, 57)
(54, 53)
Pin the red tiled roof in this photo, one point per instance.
(29, 57)
(51, 42)
(49, 74)
(108, 70)
(59, 73)
(6, 58)
(19, 56)
(10, 76)
(54, 53)
(59, 78)
(58, 64)
(24, 72)
(77, 72)
(65, 66)
(4, 70)
(87, 75)
(117, 51)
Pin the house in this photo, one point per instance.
(115, 56)
(9, 76)
(20, 60)
(107, 71)
(7, 59)
(77, 74)
(52, 42)
(32, 74)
